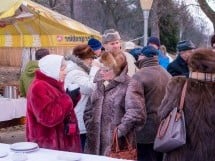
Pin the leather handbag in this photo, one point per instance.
(171, 133)
(128, 152)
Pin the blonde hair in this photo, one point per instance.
(163, 49)
(114, 60)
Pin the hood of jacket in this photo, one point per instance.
(74, 63)
(31, 67)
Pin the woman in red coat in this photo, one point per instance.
(51, 121)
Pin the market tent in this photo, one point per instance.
(24, 23)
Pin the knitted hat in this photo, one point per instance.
(83, 52)
(185, 45)
(202, 60)
(50, 65)
(149, 51)
(41, 53)
(110, 35)
(94, 44)
(136, 52)
(154, 40)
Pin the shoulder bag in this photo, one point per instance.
(171, 133)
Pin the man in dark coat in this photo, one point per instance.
(179, 65)
(153, 79)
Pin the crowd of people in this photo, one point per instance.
(75, 102)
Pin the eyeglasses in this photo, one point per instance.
(104, 69)
(94, 57)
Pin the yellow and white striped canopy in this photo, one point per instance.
(24, 23)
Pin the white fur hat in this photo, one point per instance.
(129, 45)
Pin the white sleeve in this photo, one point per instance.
(81, 78)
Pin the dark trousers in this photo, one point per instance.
(145, 152)
(83, 140)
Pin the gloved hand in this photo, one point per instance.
(74, 94)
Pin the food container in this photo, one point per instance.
(10, 92)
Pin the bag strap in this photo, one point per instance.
(115, 143)
(181, 105)
(183, 93)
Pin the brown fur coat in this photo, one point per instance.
(199, 110)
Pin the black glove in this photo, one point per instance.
(75, 95)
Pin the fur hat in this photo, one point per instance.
(94, 44)
(202, 60)
(129, 45)
(110, 35)
(41, 53)
(154, 40)
(185, 45)
(149, 51)
(83, 52)
(114, 60)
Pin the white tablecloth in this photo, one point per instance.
(53, 155)
(12, 108)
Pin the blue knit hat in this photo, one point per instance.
(135, 52)
(185, 45)
(94, 44)
(149, 51)
(154, 40)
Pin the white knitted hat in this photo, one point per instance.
(50, 65)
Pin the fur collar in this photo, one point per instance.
(53, 82)
(79, 62)
(147, 62)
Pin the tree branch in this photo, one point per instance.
(207, 10)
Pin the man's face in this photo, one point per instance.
(186, 54)
(113, 46)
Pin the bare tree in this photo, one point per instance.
(61, 6)
(208, 11)
(154, 19)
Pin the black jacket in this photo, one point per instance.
(178, 67)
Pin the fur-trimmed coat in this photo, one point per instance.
(119, 104)
(83, 76)
(153, 79)
(47, 107)
(199, 110)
